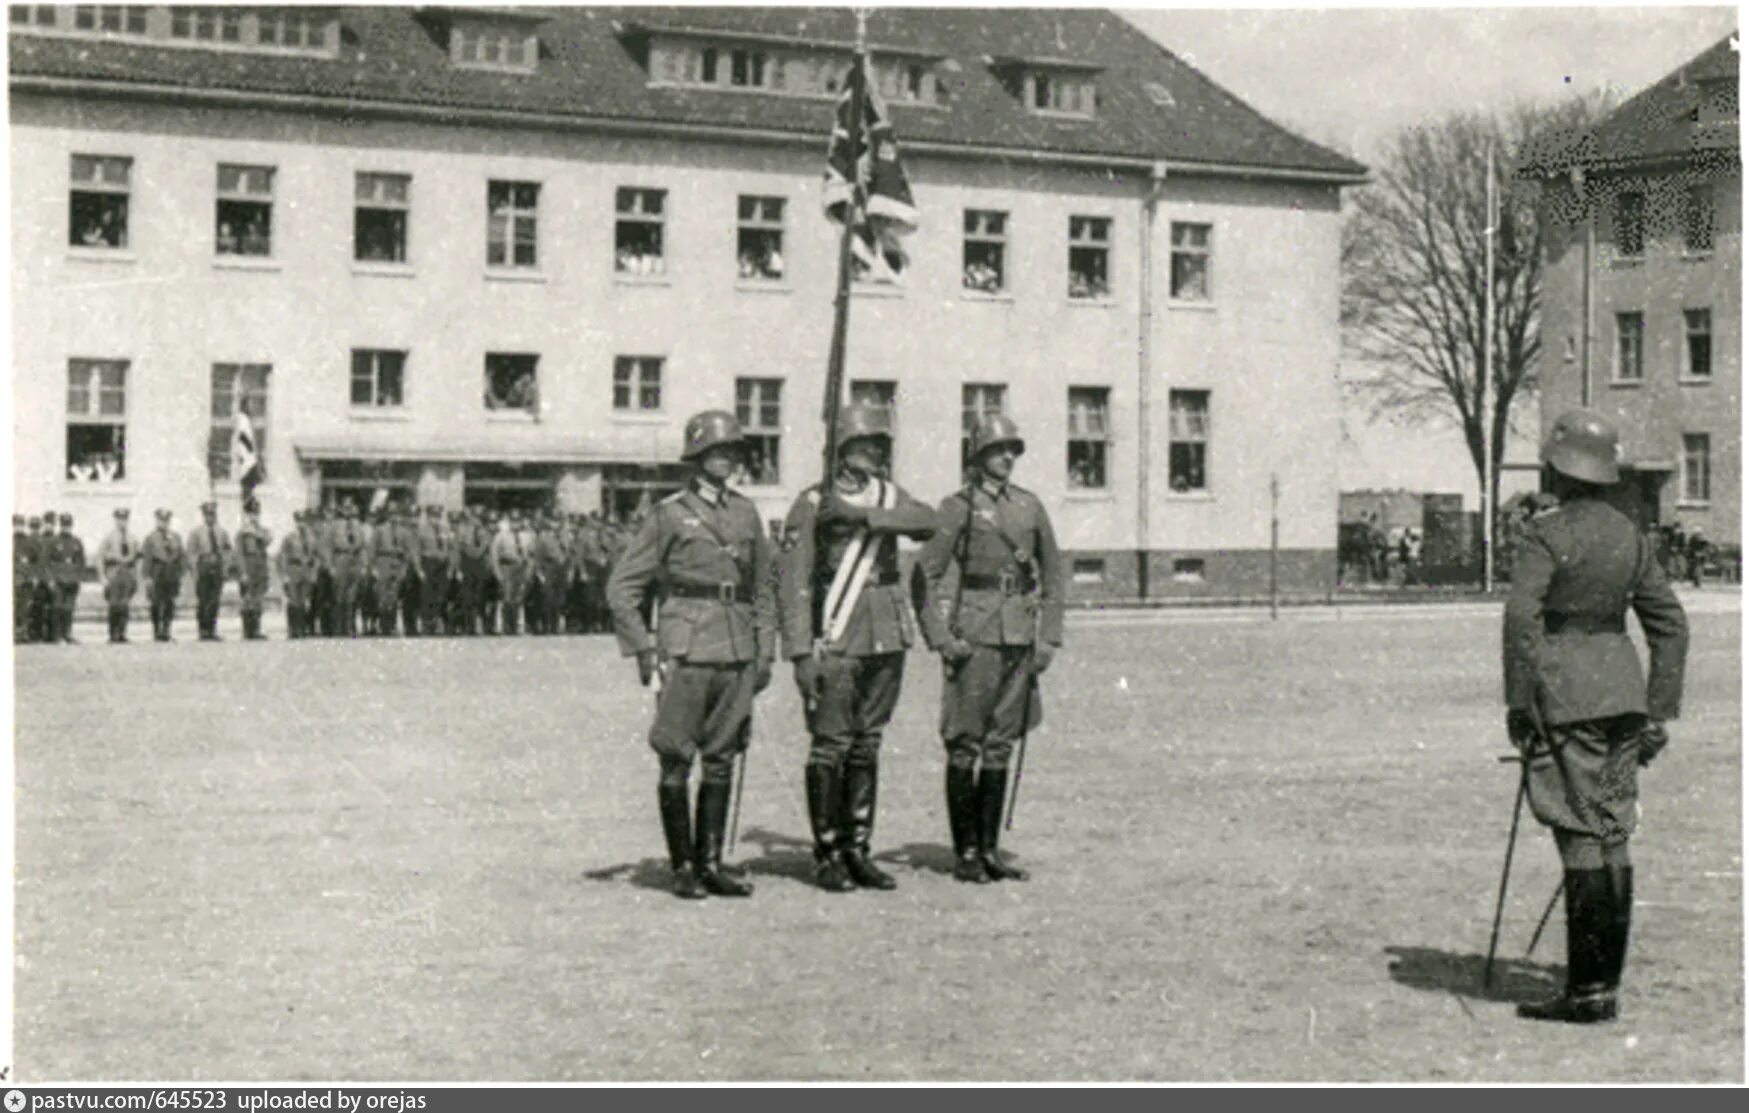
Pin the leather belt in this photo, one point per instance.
(723, 593)
(1584, 624)
(1008, 583)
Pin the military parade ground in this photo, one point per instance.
(1260, 850)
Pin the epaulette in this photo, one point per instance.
(674, 498)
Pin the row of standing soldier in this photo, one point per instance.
(702, 603)
(46, 571)
(336, 571)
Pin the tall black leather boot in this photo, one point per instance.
(713, 822)
(824, 796)
(992, 791)
(677, 829)
(1621, 892)
(962, 820)
(860, 783)
(1589, 997)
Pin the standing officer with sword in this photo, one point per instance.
(996, 634)
(1581, 713)
(846, 626)
(704, 551)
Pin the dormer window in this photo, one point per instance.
(494, 44)
(306, 30)
(1050, 86)
(687, 56)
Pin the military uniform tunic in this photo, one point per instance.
(254, 544)
(1576, 573)
(209, 548)
(300, 561)
(161, 560)
(1010, 585)
(708, 562)
(861, 671)
(117, 555)
(67, 562)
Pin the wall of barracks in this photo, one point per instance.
(1264, 346)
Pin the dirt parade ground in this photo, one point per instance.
(1260, 851)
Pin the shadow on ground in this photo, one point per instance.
(1515, 980)
(648, 873)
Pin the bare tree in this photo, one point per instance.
(1413, 253)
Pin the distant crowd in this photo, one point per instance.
(404, 571)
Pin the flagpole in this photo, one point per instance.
(1493, 218)
(841, 304)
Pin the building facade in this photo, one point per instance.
(1642, 294)
(497, 256)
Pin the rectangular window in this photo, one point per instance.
(1630, 225)
(1188, 570)
(114, 19)
(512, 215)
(1089, 437)
(379, 218)
(512, 381)
(1056, 92)
(986, 252)
(245, 210)
(97, 409)
(378, 379)
(1188, 452)
(237, 388)
(1087, 570)
(748, 68)
(759, 409)
(292, 30)
(759, 238)
(200, 24)
(637, 383)
(1630, 330)
(1697, 219)
(1697, 467)
(1699, 325)
(1089, 257)
(493, 48)
(978, 401)
(882, 395)
(1192, 247)
(637, 230)
(98, 201)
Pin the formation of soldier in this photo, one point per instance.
(702, 603)
(479, 572)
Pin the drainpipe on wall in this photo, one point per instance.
(1144, 374)
(1577, 176)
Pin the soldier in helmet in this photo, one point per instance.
(714, 642)
(254, 543)
(1579, 708)
(998, 630)
(846, 625)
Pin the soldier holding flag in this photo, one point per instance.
(847, 625)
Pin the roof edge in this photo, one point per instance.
(37, 83)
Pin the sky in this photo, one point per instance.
(1351, 78)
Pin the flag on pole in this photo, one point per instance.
(869, 183)
(246, 460)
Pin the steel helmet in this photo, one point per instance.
(861, 420)
(1583, 444)
(994, 430)
(709, 429)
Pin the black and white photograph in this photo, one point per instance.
(854, 546)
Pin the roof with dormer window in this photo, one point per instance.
(591, 70)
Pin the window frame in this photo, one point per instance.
(513, 214)
(1617, 377)
(511, 363)
(1095, 409)
(1698, 201)
(978, 236)
(881, 395)
(753, 394)
(1629, 223)
(978, 400)
(378, 203)
(1086, 242)
(239, 195)
(219, 462)
(1181, 432)
(636, 375)
(96, 389)
(97, 188)
(1205, 252)
(640, 217)
(1689, 472)
(376, 381)
(757, 226)
(1690, 315)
